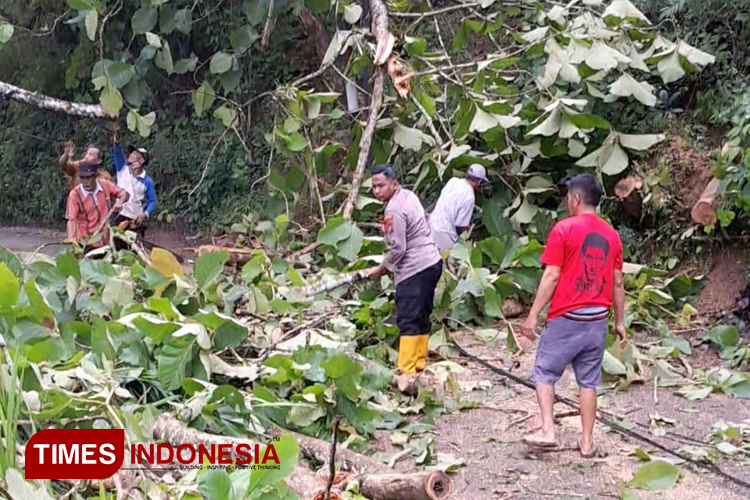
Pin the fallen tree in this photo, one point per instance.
(704, 210)
(52, 104)
(374, 480)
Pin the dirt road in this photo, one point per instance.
(25, 239)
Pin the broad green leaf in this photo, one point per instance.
(144, 20)
(627, 86)
(617, 162)
(229, 334)
(256, 12)
(221, 62)
(723, 335)
(119, 74)
(187, 65)
(484, 121)
(535, 35)
(118, 292)
(287, 453)
(92, 21)
(111, 100)
(208, 268)
(226, 115)
(243, 37)
(9, 287)
(6, 31)
(656, 475)
(640, 142)
(296, 142)
(214, 484)
(612, 365)
(352, 13)
(589, 121)
(350, 247)
(154, 40)
(410, 138)
(304, 415)
(165, 263)
(83, 5)
(526, 212)
(335, 230)
(17, 487)
(203, 98)
(559, 66)
(493, 303)
(183, 20)
(670, 67)
(740, 389)
(163, 59)
(603, 57)
(173, 360)
(623, 9)
(693, 55)
(550, 125)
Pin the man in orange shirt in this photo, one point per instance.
(71, 167)
(89, 204)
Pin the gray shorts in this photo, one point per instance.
(565, 341)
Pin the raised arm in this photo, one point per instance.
(68, 166)
(118, 156)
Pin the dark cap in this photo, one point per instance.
(87, 170)
(143, 152)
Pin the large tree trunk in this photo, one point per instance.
(374, 484)
(50, 103)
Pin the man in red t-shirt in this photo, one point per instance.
(583, 279)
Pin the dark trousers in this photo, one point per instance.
(414, 298)
(138, 228)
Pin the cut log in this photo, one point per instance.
(512, 308)
(626, 186)
(374, 484)
(704, 210)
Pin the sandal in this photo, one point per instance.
(587, 455)
(536, 440)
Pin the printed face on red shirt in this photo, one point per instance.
(594, 253)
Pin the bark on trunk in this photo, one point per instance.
(704, 211)
(50, 103)
(429, 485)
(379, 30)
(512, 308)
(237, 256)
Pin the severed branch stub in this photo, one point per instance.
(332, 458)
(52, 104)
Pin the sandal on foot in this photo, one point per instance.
(538, 441)
(587, 455)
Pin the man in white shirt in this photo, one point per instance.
(455, 207)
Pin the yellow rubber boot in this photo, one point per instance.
(422, 350)
(408, 353)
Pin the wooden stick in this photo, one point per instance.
(704, 212)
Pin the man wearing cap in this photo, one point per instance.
(132, 177)
(88, 206)
(415, 261)
(455, 207)
(71, 167)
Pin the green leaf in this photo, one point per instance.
(6, 31)
(623, 9)
(119, 74)
(203, 98)
(693, 55)
(670, 67)
(740, 389)
(187, 65)
(617, 161)
(627, 86)
(410, 138)
(183, 20)
(18, 488)
(589, 121)
(484, 121)
(243, 37)
(256, 12)
(92, 21)
(144, 20)
(208, 268)
(601, 56)
(493, 303)
(111, 100)
(640, 142)
(335, 230)
(173, 360)
(118, 292)
(226, 115)
(214, 484)
(221, 62)
(656, 475)
(612, 365)
(352, 13)
(229, 334)
(350, 247)
(287, 453)
(724, 336)
(9, 287)
(83, 5)
(163, 59)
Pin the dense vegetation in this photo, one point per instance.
(244, 106)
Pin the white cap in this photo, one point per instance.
(478, 172)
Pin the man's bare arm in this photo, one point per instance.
(619, 298)
(547, 285)
(72, 230)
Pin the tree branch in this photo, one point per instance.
(438, 12)
(379, 30)
(50, 103)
